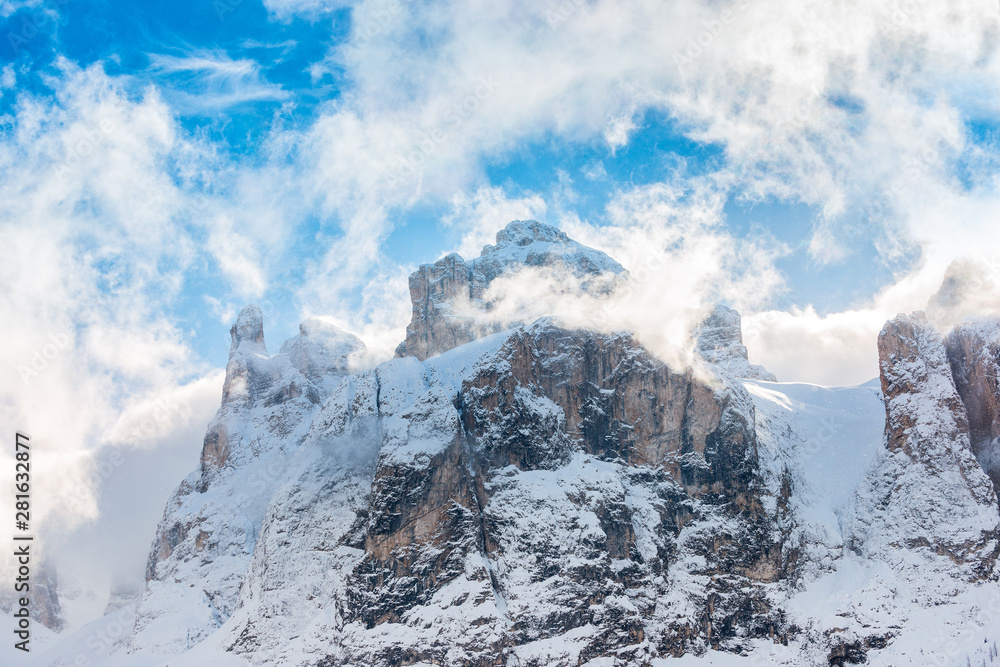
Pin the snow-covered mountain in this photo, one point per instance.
(548, 496)
(450, 297)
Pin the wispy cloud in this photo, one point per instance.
(210, 81)
(285, 9)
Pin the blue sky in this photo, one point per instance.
(232, 72)
(819, 166)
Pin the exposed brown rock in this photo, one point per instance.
(914, 364)
(619, 403)
(215, 449)
(929, 459)
(437, 290)
(550, 394)
(45, 606)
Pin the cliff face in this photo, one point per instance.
(932, 492)
(450, 297)
(533, 498)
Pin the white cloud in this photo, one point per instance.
(855, 108)
(157, 441)
(87, 333)
(101, 226)
(799, 345)
(618, 131)
(8, 7)
(7, 77)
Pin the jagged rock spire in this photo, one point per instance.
(247, 343)
(719, 339)
(248, 332)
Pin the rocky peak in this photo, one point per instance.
(245, 374)
(526, 232)
(267, 407)
(928, 491)
(549, 496)
(719, 340)
(248, 332)
(531, 243)
(918, 386)
(571, 471)
(447, 294)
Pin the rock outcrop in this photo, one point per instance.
(450, 296)
(542, 496)
(719, 340)
(928, 492)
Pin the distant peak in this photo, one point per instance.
(437, 324)
(532, 243)
(724, 317)
(526, 232)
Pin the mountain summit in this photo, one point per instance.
(448, 295)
